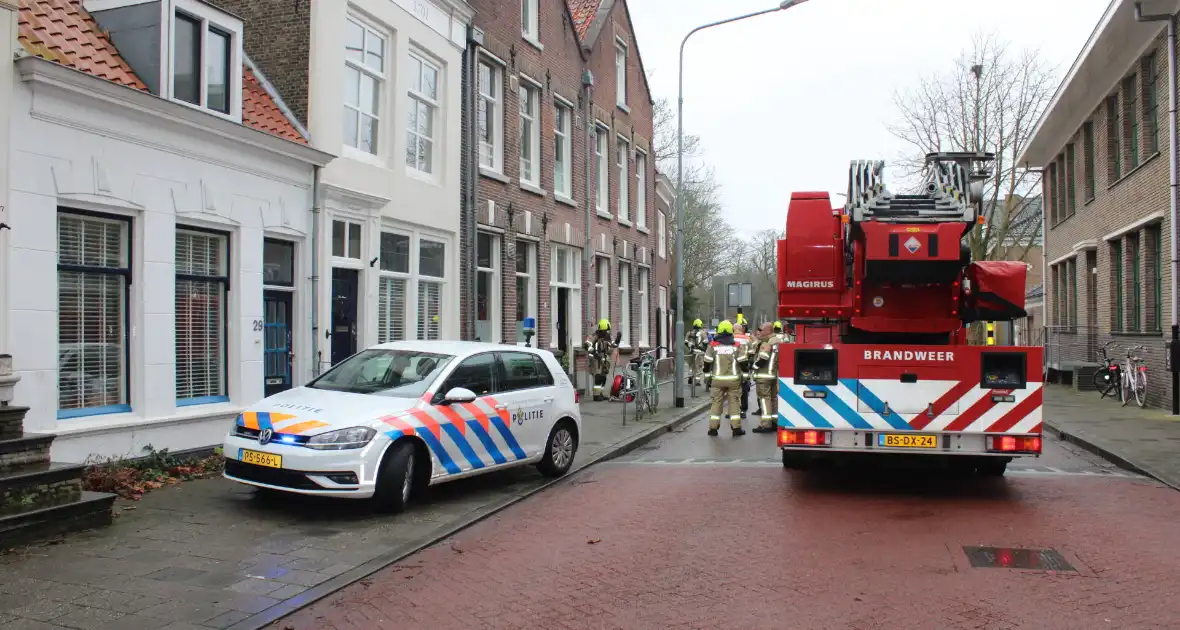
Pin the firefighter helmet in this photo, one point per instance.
(778, 326)
(696, 323)
(725, 327)
(604, 324)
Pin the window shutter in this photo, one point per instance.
(391, 310)
(429, 310)
(200, 315)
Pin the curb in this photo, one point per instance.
(1107, 454)
(331, 585)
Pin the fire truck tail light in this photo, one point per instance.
(1013, 444)
(804, 437)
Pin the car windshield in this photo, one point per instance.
(396, 373)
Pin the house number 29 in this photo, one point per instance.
(258, 325)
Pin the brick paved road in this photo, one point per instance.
(702, 533)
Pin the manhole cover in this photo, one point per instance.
(1007, 558)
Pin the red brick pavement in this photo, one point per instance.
(694, 547)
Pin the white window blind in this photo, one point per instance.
(602, 286)
(640, 189)
(429, 310)
(623, 148)
(200, 316)
(392, 288)
(625, 303)
(93, 268)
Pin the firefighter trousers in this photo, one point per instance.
(725, 392)
(601, 369)
(768, 401)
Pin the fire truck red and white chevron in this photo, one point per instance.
(927, 405)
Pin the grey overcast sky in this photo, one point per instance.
(784, 101)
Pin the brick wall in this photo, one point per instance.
(1130, 209)
(514, 212)
(278, 40)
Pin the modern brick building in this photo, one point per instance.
(560, 164)
(1103, 144)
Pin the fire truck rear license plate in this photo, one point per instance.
(904, 440)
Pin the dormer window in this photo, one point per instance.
(206, 58)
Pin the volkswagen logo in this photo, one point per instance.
(265, 436)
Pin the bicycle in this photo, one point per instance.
(1134, 377)
(644, 384)
(1108, 376)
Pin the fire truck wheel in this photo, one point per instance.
(796, 461)
(992, 467)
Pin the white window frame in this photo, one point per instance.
(573, 283)
(662, 304)
(407, 276)
(624, 275)
(640, 189)
(379, 76)
(348, 223)
(602, 172)
(602, 283)
(621, 73)
(529, 95)
(495, 293)
(530, 29)
(644, 307)
(419, 164)
(529, 249)
(491, 154)
(623, 163)
(563, 185)
(223, 394)
(103, 274)
(662, 237)
(208, 17)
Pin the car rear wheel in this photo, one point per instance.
(560, 449)
(395, 479)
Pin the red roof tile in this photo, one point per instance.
(583, 13)
(261, 112)
(62, 31)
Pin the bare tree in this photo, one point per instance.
(708, 238)
(989, 101)
(664, 144)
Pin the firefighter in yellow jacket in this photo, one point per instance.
(695, 343)
(764, 355)
(725, 362)
(600, 348)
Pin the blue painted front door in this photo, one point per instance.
(277, 340)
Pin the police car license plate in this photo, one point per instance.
(269, 460)
(904, 440)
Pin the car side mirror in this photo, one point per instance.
(459, 395)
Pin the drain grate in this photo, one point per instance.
(1007, 558)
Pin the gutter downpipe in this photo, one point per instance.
(474, 43)
(1174, 174)
(588, 253)
(315, 270)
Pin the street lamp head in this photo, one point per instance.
(786, 4)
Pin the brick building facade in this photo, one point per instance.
(1103, 144)
(553, 139)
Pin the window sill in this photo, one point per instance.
(203, 400)
(531, 187)
(67, 414)
(1137, 333)
(532, 42)
(643, 229)
(625, 222)
(623, 106)
(566, 200)
(354, 153)
(422, 176)
(113, 423)
(1132, 172)
(602, 214)
(493, 174)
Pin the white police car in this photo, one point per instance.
(397, 417)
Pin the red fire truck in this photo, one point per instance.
(881, 292)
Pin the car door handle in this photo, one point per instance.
(501, 407)
(549, 400)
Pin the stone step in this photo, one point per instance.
(12, 421)
(29, 448)
(91, 511)
(35, 486)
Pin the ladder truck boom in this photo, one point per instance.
(881, 292)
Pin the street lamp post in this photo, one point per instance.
(679, 385)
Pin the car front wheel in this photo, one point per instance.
(395, 480)
(560, 449)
